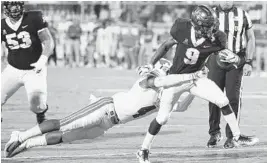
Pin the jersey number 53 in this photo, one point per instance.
(14, 44)
(191, 56)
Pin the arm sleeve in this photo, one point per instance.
(40, 21)
(247, 21)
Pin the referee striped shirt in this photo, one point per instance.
(234, 23)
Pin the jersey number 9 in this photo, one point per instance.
(191, 56)
(14, 44)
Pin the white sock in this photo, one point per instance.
(35, 131)
(148, 141)
(232, 122)
(36, 141)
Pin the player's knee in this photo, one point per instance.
(37, 102)
(222, 102)
(162, 119)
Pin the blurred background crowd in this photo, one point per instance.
(125, 35)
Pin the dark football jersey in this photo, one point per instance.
(184, 63)
(24, 46)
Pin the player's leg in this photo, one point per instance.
(17, 138)
(57, 137)
(216, 96)
(217, 75)
(10, 83)
(50, 138)
(89, 117)
(234, 94)
(36, 88)
(169, 97)
(182, 104)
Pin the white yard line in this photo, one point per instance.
(102, 155)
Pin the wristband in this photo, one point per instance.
(43, 59)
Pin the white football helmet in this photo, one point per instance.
(162, 67)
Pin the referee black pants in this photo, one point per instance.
(231, 81)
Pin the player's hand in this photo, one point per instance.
(148, 82)
(247, 69)
(143, 70)
(201, 73)
(40, 64)
(229, 56)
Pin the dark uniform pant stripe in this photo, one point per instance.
(87, 110)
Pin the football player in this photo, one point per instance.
(196, 39)
(29, 44)
(100, 115)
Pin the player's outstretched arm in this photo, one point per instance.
(162, 50)
(173, 79)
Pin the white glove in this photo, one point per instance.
(229, 56)
(40, 64)
(143, 70)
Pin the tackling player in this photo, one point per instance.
(29, 44)
(196, 39)
(99, 116)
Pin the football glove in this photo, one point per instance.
(148, 82)
(40, 64)
(143, 70)
(228, 56)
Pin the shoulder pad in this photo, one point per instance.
(179, 27)
(34, 13)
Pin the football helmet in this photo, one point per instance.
(14, 9)
(162, 67)
(204, 20)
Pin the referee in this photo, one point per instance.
(237, 25)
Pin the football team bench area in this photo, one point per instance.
(183, 139)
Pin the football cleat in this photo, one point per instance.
(214, 139)
(230, 143)
(143, 156)
(12, 144)
(19, 149)
(247, 140)
(241, 141)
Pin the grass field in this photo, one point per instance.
(183, 139)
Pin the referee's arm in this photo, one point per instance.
(250, 39)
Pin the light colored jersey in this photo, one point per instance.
(136, 103)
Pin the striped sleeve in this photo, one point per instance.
(248, 23)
